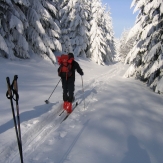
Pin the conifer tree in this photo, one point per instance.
(43, 33)
(74, 27)
(126, 43)
(13, 29)
(99, 48)
(109, 34)
(96, 35)
(29, 27)
(146, 56)
(4, 50)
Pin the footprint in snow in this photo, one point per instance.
(63, 134)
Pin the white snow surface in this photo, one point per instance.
(121, 121)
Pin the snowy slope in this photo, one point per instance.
(120, 123)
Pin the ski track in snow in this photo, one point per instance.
(41, 127)
(93, 84)
(31, 137)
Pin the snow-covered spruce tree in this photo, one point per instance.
(12, 33)
(52, 27)
(65, 9)
(99, 47)
(109, 35)
(4, 50)
(43, 33)
(126, 43)
(122, 46)
(74, 14)
(117, 45)
(29, 27)
(146, 57)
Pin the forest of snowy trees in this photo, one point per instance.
(84, 27)
(44, 27)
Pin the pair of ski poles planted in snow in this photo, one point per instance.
(47, 101)
(12, 94)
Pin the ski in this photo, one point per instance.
(76, 104)
(62, 112)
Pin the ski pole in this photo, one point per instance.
(15, 91)
(47, 101)
(10, 96)
(83, 91)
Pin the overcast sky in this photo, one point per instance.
(122, 15)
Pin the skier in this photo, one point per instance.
(68, 80)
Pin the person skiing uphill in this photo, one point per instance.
(66, 71)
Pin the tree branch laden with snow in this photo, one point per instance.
(147, 53)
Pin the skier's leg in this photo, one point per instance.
(65, 89)
(71, 88)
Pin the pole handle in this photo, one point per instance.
(9, 92)
(14, 88)
(15, 84)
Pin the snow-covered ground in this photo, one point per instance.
(121, 121)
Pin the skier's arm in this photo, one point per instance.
(59, 74)
(79, 70)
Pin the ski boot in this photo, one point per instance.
(69, 107)
(65, 105)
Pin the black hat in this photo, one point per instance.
(71, 55)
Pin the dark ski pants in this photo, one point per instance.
(68, 89)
